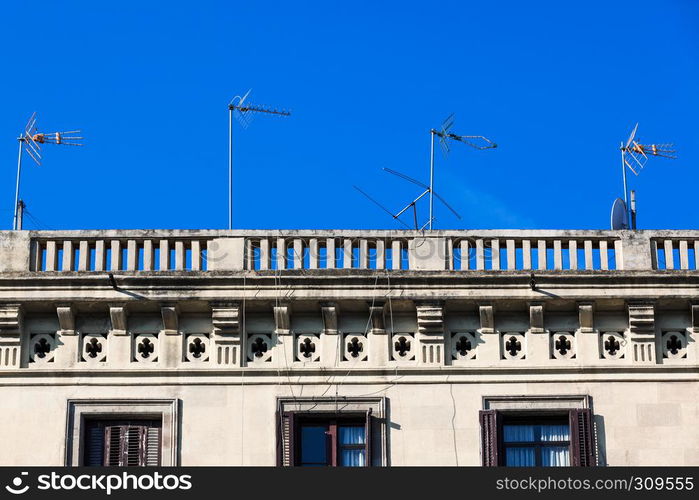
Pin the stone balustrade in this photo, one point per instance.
(472, 250)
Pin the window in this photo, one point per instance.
(122, 432)
(329, 440)
(122, 443)
(331, 433)
(537, 432)
(532, 443)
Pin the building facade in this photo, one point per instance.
(349, 348)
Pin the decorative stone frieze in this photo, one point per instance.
(430, 327)
(463, 346)
(227, 338)
(11, 323)
(642, 332)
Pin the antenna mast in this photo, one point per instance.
(244, 113)
(634, 155)
(444, 134)
(30, 141)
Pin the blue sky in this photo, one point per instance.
(556, 84)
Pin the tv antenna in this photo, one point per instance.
(445, 134)
(412, 204)
(30, 141)
(634, 155)
(244, 112)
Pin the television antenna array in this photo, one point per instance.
(413, 204)
(244, 112)
(634, 156)
(30, 141)
(445, 135)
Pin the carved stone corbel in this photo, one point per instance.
(329, 311)
(170, 315)
(228, 342)
(66, 319)
(282, 319)
(695, 318)
(430, 328)
(487, 318)
(11, 320)
(378, 319)
(118, 315)
(536, 317)
(586, 317)
(642, 331)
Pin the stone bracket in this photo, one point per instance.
(170, 315)
(282, 319)
(118, 315)
(586, 317)
(329, 311)
(487, 318)
(66, 318)
(695, 318)
(378, 320)
(536, 317)
(642, 331)
(430, 318)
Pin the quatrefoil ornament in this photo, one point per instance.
(94, 348)
(197, 348)
(463, 346)
(259, 348)
(403, 347)
(42, 348)
(307, 348)
(356, 347)
(513, 345)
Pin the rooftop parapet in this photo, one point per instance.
(330, 250)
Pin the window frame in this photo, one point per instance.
(581, 428)
(292, 413)
(81, 411)
(106, 427)
(536, 419)
(333, 421)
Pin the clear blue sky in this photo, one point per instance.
(556, 84)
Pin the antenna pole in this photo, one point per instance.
(431, 176)
(623, 173)
(19, 171)
(230, 168)
(633, 209)
(20, 214)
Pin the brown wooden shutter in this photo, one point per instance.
(490, 437)
(93, 454)
(367, 438)
(582, 443)
(286, 437)
(114, 439)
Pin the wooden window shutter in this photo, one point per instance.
(582, 443)
(153, 444)
(286, 436)
(490, 437)
(94, 444)
(367, 438)
(114, 439)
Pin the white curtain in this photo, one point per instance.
(555, 456)
(520, 457)
(554, 433)
(352, 436)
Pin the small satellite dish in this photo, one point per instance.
(620, 216)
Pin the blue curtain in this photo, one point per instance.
(519, 433)
(520, 457)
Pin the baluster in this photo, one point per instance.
(395, 254)
(450, 254)
(495, 254)
(115, 264)
(313, 253)
(573, 253)
(684, 255)
(100, 255)
(148, 255)
(541, 245)
(480, 255)
(51, 256)
(603, 255)
(264, 254)
(465, 261)
(164, 255)
(526, 254)
(557, 255)
(589, 264)
(298, 253)
(84, 256)
(330, 253)
(68, 257)
(249, 253)
(380, 254)
(347, 264)
(669, 258)
(511, 255)
(618, 256)
(363, 253)
(131, 255)
(196, 255)
(281, 253)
